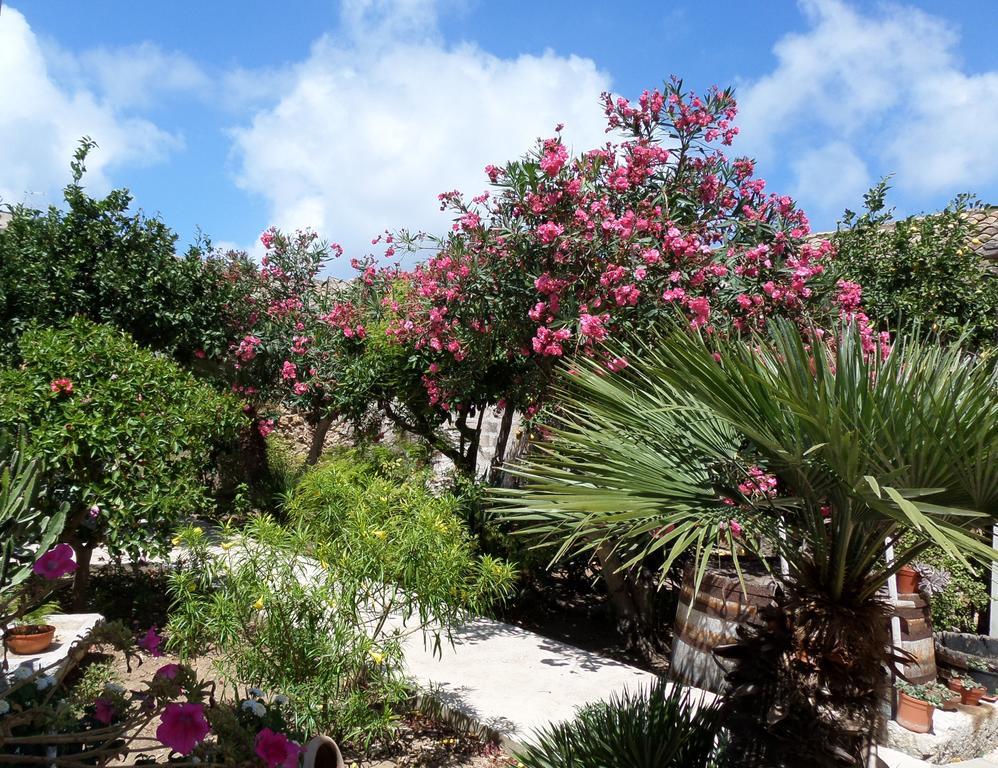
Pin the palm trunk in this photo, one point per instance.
(807, 685)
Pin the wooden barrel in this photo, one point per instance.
(710, 618)
(916, 638)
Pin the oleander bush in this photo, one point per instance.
(320, 608)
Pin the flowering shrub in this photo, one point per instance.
(312, 609)
(125, 438)
(562, 254)
(43, 718)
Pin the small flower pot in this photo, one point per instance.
(972, 696)
(322, 752)
(954, 684)
(950, 704)
(29, 638)
(914, 714)
(908, 580)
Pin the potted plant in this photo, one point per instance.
(31, 633)
(908, 580)
(970, 691)
(26, 639)
(917, 703)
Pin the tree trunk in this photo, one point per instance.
(81, 581)
(318, 440)
(495, 469)
(630, 601)
(806, 685)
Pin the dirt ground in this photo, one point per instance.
(138, 599)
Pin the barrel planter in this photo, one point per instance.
(916, 638)
(710, 618)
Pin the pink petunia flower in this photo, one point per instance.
(276, 750)
(182, 727)
(168, 671)
(151, 641)
(104, 710)
(55, 563)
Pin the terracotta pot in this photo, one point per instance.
(972, 696)
(908, 580)
(950, 704)
(322, 752)
(913, 714)
(29, 638)
(954, 684)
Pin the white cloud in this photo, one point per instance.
(41, 122)
(838, 172)
(381, 119)
(140, 75)
(884, 84)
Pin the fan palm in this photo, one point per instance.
(825, 456)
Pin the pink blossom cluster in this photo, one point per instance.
(603, 253)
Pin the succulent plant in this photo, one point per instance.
(933, 580)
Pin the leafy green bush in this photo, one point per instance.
(125, 434)
(100, 260)
(919, 272)
(957, 607)
(315, 609)
(660, 728)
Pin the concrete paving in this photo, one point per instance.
(509, 682)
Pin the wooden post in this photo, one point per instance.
(892, 590)
(993, 607)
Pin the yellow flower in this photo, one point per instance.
(258, 605)
(376, 656)
(197, 529)
(379, 534)
(227, 545)
(175, 541)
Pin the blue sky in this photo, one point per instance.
(350, 117)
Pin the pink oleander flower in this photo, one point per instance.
(104, 710)
(289, 370)
(549, 231)
(617, 364)
(151, 641)
(276, 750)
(735, 527)
(62, 386)
(182, 727)
(55, 563)
(265, 427)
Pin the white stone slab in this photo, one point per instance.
(69, 627)
(963, 734)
